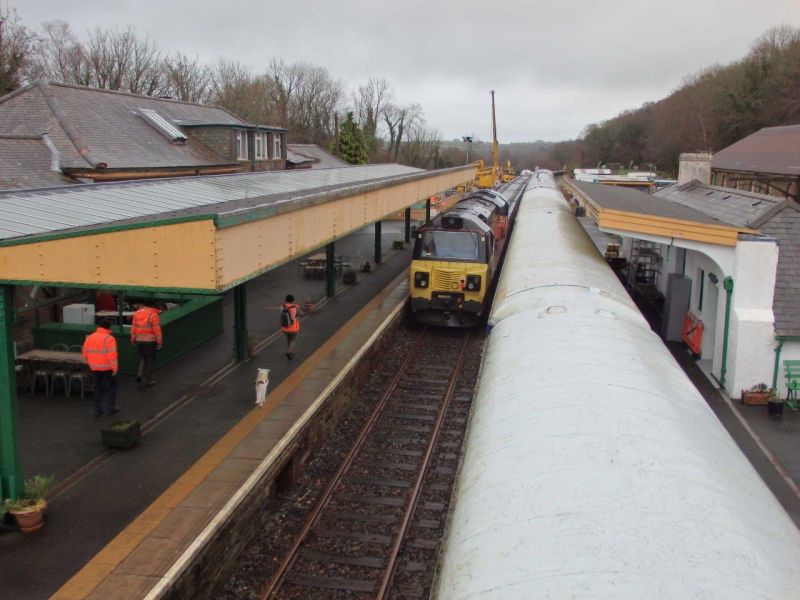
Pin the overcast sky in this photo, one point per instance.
(556, 66)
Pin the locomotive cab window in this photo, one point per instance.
(450, 245)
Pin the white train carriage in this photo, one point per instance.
(593, 467)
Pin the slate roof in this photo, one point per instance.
(736, 207)
(25, 162)
(320, 158)
(773, 150)
(630, 200)
(101, 128)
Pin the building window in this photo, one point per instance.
(276, 145)
(262, 145)
(241, 145)
(701, 277)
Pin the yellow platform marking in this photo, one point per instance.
(104, 562)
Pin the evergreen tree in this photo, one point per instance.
(352, 147)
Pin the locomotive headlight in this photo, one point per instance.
(421, 279)
(473, 283)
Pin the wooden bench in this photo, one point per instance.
(792, 371)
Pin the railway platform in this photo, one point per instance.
(117, 520)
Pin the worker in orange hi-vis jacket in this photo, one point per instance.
(290, 324)
(100, 352)
(146, 336)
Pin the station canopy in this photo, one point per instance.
(197, 234)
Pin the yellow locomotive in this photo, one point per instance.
(456, 257)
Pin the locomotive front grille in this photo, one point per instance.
(445, 280)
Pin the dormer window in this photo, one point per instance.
(241, 145)
(276, 145)
(162, 125)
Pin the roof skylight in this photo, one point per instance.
(164, 126)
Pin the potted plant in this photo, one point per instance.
(398, 245)
(349, 277)
(28, 509)
(121, 434)
(758, 395)
(308, 305)
(775, 404)
(366, 267)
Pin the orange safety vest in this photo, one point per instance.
(100, 350)
(295, 326)
(146, 326)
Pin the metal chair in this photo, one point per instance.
(83, 377)
(61, 372)
(342, 263)
(40, 370)
(60, 347)
(79, 374)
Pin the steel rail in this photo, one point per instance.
(416, 492)
(278, 577)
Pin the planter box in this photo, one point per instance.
(121, 434)
(755, 398)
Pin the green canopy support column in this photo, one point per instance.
(428, 210)
(10, 468)
(330, 270)
(240, 322)
(408, 225)
(377, 243)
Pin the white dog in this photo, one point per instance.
(262, 383)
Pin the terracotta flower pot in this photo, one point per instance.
(308, 306)
(30, 518)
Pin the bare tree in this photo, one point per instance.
(235, 87)
(283, 81)
(16, 44)
(119, 60)
(186, 79)
(421, 148)
(59, 56)
(146, 74)
(370, 100)
(314, 102)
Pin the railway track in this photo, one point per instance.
(376, 528)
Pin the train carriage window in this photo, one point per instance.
(450, 245)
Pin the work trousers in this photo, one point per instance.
(290, 339)
(147, 356)
(100, 380)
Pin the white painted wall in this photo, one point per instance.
(696, 261)
(751, 342)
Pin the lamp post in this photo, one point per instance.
(468, 141)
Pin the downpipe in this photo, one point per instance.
(727, 283)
